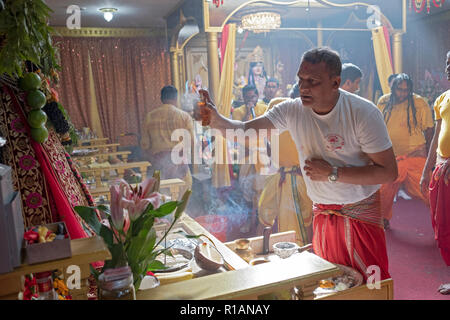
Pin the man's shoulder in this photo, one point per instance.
(358, 102)
(276, 101)
(384, 98)
(443, 99)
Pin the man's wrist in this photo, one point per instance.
(334, 175)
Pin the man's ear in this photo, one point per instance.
(337, 82)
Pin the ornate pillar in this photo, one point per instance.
(213, 64)
(319, 34)
(175, 68)
(397, 52)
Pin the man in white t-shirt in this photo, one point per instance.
(345, 155)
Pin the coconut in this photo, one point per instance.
(208, 257)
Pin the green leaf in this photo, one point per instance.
(94, 272)
(184, 202)
(156, 265)
(104, 208)
(107, 235)
(89, 216)
(164, 210)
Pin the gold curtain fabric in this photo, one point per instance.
(127, 73)
(221, 172)
(382, 57)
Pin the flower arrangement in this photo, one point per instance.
(128, 228)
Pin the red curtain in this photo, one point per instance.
(128, 75)
(73, 89)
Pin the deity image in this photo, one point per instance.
(257, 76)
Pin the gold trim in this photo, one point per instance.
(108, 32)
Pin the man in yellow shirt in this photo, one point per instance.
(250, 181)
(439, 189)
(284, 195)
(410, 125)
(156, 140)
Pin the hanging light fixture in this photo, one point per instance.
(261, 21)
(420, 4)
(108, 13)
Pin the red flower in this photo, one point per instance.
(31, 236)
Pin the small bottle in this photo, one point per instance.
(44, 282)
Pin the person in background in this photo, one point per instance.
(350, 77)
(439, 189)
(391, 79)
(156, 140)
(410, 125)
(284, 194)
(250, 181)
(270, 90)
(345, 154)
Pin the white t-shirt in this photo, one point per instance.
(354, 127)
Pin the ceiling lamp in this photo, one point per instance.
(261, 21)
(108, 13)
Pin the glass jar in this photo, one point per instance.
(44, 281)
(116, 284)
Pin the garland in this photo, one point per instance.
(25, 36)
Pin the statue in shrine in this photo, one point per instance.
(257, 75)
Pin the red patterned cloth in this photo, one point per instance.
(340, 237)
(440, 212)
(41, 172)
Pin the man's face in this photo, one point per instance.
(447, 69)
(270, 90)
(401, 93)
(354, 86)
(250, 98)
(316, 86)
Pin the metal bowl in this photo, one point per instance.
(175, 251)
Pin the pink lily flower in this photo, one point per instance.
(137, 199)
(117, 212)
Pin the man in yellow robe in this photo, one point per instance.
(284, 194)
(156, 140)
(250, 181)
(409, 121)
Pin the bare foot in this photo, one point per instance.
(444, 288)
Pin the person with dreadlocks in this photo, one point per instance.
(439, 189)
(410, 124)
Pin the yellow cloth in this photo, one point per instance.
(442, 111)
(403, 142)
(221, 172)
(278, 201)
(384, 66)
(241, 112)
(159, 125)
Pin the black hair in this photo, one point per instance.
(327, 55)
(387, 111)
(248, 88)
(273, 80)
(391, 77)
(169, 93)
(295, 91)
(350, 72)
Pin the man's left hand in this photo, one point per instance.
(317, 169)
